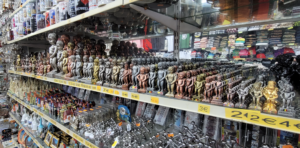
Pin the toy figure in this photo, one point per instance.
(49, 68)
(142, 77)
(171, 79)
(287, 95)
(96, 71)
(180, 85)
(199, 84)
(52, 51)
(65, 62)
(256, 93)
(135, 72)
(108, 72)
(60, 57)
(101, 72)
(188, 86)
(208, 90)
(90, 68)
(66, 39)
(115, 73)
(126, 77)
(121, 75)
(85, 64)
(152, 78)
(270, 93)
(161, 74)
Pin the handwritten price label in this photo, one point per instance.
(56, 80)
(71, 83)
(63, 82)
(117, 92)
(77, 84)
(135, 96)
(125, 94)
(106, 90)
(111, 91)
(98, 88)
(155, 100)
(203, 108)
(85, 86)
(78, 138)
(94, 87)
(52, 121)
(68, 131)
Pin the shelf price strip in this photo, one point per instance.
(255, 117)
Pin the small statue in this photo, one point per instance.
(188, 86)
(143, 78)
(270, 93)
(101, 72)
(199, 85)
(121, 75)
(79, 65)
(65, 62)
(90, 68)
(60, 57)
(85, 64)
(52, 51)
(161, 74)
(70, 49)
(41, 69)
(96, 71)
(126, 77)
(287, 95)
(71, 66)
(49, 68)
(180, 85)
(171, 79)
(208, 90)
(115, 74)
(76, 40)
(135, 72)
(152, 78)
(256, 93)
(66, 39)
(108, 73)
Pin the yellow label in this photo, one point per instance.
(240, 31)
(291, 43)
(239, 114)
(125, 94)
(71, 83)
(68, 131)
(271, 29)
(90, 145)
(111, 91)
(98, 88)
(56, 80)
(94, 87)
(85, 86)
(105, 90)
(290, 28)
(45, 78)
(77, 84)
(52, 121)
(116, 92)
(135, 96)
(10, 71)
(38, 77)
(114, 144)
(32, 75)
(78, 138)
(28, 106)
(154, 100)
(40, 114)
(203, 108)
(34, 110)
(248, 46)
(63, 82)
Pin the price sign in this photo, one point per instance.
(125, 94)
(111, 91)
(56, 80)
(45, 78)
(94, 87)
(203, 108)
(77, 84)
(52, 121)
(34, 110)
(78, 138)
(71, 83)
(68, 131)
(85, 86)
(40, 114)
(117, 92)
(106, 90)
(32, 75)
(135, 96)
(28, 106)
(238, 114)
(271, 29)
(38, 77)
(154, 100)
(90, 145)
(98, 88)
(63, 82)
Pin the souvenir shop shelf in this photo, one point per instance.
(235, 114)
(38, 142)
(54, 122)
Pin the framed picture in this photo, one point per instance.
(54, 142)
(48, 138)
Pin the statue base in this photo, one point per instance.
(51, 74)
(187, 98)
(70, 79)
(197, 98)
(142, 90)
(119, 86)
(253, 107)
(177, 96)
(287, 112)
(19, 68)
(150, 90)
(125, 87)
(217, 101)
(160, 93)
(133, 88)
(107, 84)
(207, 100)
(238, 105)
(59, 75)
(113, 85)
(169, 95)
(76, 78)
(99, 83)
(228, 104)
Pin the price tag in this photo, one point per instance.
(290, 28)
(28, 106)
(32, 75)
(240, 31)
(203, 108)
(117, 92)
(111, 91)
(271, 29)
(40, 114)
(52, 121)
(68, 131)
(71, 83)
(10, 71)
(135, 96)
(56, 80)
(106, 90)
(291, 43)
(38, 77)
(90, 145)
(45, 78)
(85, 86)
(154, 100)
(77, 84)
(125, 94)
(239, 114)
(34, 110)
(98, 88)
(94, 87)
(63, 82)
(78, 138)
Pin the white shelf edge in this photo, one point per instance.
(60, 126)
(181, 104)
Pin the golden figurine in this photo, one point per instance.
(271, 94)
(199, 85)
(18, 64)
(96, 71)
(65, 62)
(171, 79)
(256, 92)
(115, 74)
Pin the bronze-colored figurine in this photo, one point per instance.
(189, 86)
(143, 79)
(208, 91)
(115, 74)
(65, 62)
(70, 49)
(171, 79)
(66, 39)
(126, 77)
(180, 85)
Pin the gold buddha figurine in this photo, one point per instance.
(96, 71)
(271, 94)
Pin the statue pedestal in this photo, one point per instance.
(207, 100)
(238, 105)
(99, 83)
(106, 84)
(287, 112)
(142, 90)
(113, 85)
(150, 91)
(119, 86)
(51, 74)
(85, 80)
(177, 96)
(197, 98)
(217, 101)
(187, 98)
(19, 68)
(228, 104)
(133, 88)
(253, 107)
(125, 87)
(59, 75)
(170, 95)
